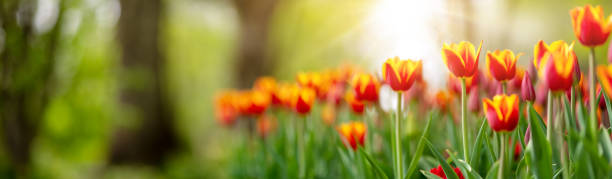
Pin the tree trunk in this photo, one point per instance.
(252, 59)
(141, 59)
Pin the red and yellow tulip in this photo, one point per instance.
(356, 105)
(352, 134)
(401, 74)
(268, 85)
(366, 87)
(590, 26)
(254, 102)
(461, 59)
(440, 172)
(604, 73)
(502, 112)
(555, 64)
(225, 108)
(303, 100)
(502, 64)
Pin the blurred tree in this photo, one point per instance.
(27, 63)
(252, 59)
(143, 61)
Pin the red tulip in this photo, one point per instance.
(502, 112)
(590, 26)
(527, 91)
(352, 134)
(555, 64)
(400, 74)
(356, 106)
(502, 64)
(366, 87)
(440, 172)
(461, 59)
(303, 100)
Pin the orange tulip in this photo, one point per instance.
(268, 85)
(225, 108)
(303, 100)
(442, 100)
(590, 26)
(254, 102)
(311, 80)
(604, 73)
(502, 64)
(366, 87)
(555, 63)
(356, 105)
(502, 112)
(286, 93)
(461, 59)
(400, 74)
(352, 134)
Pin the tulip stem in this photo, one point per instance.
(559, 138)
(463, 121)
(504, 87)
(502, 154)
(299, 128)
(593, 114)
(397, 150)
(549, 105)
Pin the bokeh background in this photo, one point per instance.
(125, 88)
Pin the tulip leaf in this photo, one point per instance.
(606, 144)
(492, 173)
(373, 163)
(608, 107)
(476, 150)
(419, 150)
(539, 148)
(467, 169)
(568, 116)
(448, 170)
(429, 175)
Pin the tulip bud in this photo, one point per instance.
(527, 92)
(528, 134)
(473, 102)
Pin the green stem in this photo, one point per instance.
(397, 157)
(504, 87)
(549, 105)
(300, 144)
(559, 136)
(593, 113)
(464, 121)
(502, 155)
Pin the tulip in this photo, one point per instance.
(254, 102)
(517, 81)
(401, 74)
(440, 172)
(590, 26)
(352, 134)
(527, 91)
(502, 112)
(461, 59)
(328, 114)
(366, 87)
(312, 80)
(303, 100)
(442, 100)
(267, 85)
(555, 64)
(473, 101)
(502, 64)
(286, 93)
(225, 108)
(356, 105)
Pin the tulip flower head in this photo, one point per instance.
(352, 134)
(555, 64)
(527, 91)
(254, 102)
(440, 172)
(604, 73)
(590, 26)
(265, 125)
(461, 59)
(303, 100)
(401, 74)
(225, 108)
(356, 105)
(268, 85)
(366, 87)
(502, 64)
(502, 112)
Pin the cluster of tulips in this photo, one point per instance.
(569, 139)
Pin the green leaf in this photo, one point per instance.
(608, 107)
(373, 163)
(540, 150)
(419, 150)
(429, 175)
(479, 139)
(492, 173)
(467, 168)
(448, 170)
(606, 144)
